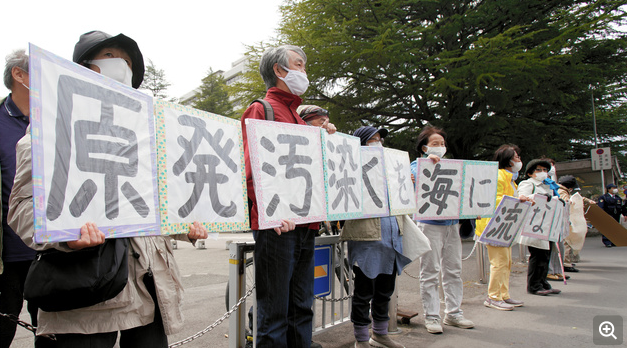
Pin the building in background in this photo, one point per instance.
(590, 180)
(230, 76)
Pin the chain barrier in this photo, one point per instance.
(216, 323)
(412, 276)
(472, 251)
(25, 325)
(333, 299)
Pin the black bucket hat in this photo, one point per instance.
(366, 132)
(531, 166)
(89, 43)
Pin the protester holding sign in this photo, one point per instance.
(375, 250)
(539, 250)
(149, 306)
(446, 252)
(501, 257)
(284, 264)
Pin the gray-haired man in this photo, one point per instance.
(284, 266)
(16, 256)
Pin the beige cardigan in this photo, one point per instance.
(131, 308)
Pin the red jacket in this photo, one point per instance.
(284, 105)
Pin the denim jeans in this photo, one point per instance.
(284, 274)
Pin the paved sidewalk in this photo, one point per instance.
(563, 320)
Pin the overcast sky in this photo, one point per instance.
(184, 38)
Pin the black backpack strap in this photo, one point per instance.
(267, 109)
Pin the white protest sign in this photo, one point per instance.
(479, 189)
(558, 221)
(287, 170)
(506, 223)
(438, 189)
(201, 170)
(375, 193)
(342, 176)
(540, 218)
(94, 155)
(400, 186)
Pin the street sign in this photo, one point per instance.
(322, 266)
(601, 158)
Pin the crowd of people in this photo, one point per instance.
(148, 309)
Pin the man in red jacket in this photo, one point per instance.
(284, 265)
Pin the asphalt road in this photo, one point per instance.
(564, 320)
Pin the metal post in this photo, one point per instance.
(393, 308)
(481, 264)
(596, 142)
(522, 253)
(237, 290)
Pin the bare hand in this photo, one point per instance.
(330, 127)
(286, 226)
(197, 231)
(90, 236)
(524, 198)
(434, 158)
(413, 179)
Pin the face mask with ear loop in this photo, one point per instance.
(296, 81)
(439, 151)
(115, 68)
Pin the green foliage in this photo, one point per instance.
(214, 96)
(154, 81)
(487, 71)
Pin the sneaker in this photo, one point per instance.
(540, 292)
(433, 326)
(384, 341)
(458, 321)
(555, 291)
(514, 303)
(571, 269)
(500, 305)
(363, 344)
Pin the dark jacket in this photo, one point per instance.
(611, 204)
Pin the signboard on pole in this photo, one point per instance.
(601, 158)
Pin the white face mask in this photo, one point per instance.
(516, 166)
(296, 81)
(541, 176)
(375, 143)
(614, 191)
(115, 68)
(436, 150)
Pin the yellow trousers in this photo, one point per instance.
(500, 268)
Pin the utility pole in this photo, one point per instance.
(596, 142)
